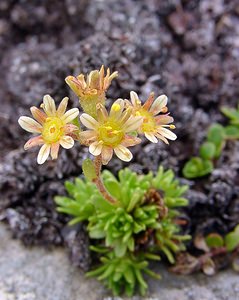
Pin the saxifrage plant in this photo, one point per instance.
(133, 218)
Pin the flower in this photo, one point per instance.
(153, 125)
(53, 125)
(92, 90)
(110, 132)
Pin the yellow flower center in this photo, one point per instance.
(149, 123)
(52, 130)
(111, 133)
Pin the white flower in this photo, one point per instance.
(154, 126)
(110, 132)
(53, 125)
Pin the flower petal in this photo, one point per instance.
(123, 153)
(38, 114)
(130, 141)
(102, 113)
(69, 128)
(117, 108)
(163, 119)
(87, 136)
(95, 148)
(167, 133)
(133, 123)
(158, 104)
(151, 137)
(54, 150)
(134, 98)
(35, 141)
(159, 136)
(67, 142)
(106, 154)
(62, 107)
(149, 101)
(70, 115)
(49, 106)
(29, 124)
(43, 154)
(88, 121)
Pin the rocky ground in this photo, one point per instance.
(188, 50)
(37, 274)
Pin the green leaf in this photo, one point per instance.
(232, 132)
(207, 150)
(89, 169)
(232, 240)
(197, 167)
(216, 135)
(214, 240)
(231, 113)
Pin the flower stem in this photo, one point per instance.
(99, 183)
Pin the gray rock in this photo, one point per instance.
(38, 274)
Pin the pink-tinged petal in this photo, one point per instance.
(126, 115)
(159, 136)
(88, 136)
(67, 142)
(101, 78)
(38, 114)
(163, 120)
(89, 121)
(167, 133)
(29, 124)
(95, 148)
(149, 101)
(106, 154)
(62, 107)
(102, 113)
(117, 108)
(43, 154)
(69, 128)
(133, 123)
(70, 115)
(49, 106)
(158, 104)
(123, 153)
(151, 137)
(35, 141)
(130, 141)
(134, 98)
(54, 150)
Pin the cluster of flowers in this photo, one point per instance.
(106, 132)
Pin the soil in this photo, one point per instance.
(188, 50)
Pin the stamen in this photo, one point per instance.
(116, 107)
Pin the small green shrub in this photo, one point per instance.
(141, 226)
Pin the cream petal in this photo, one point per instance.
(54, 150)
(133, 123)
(38, 114)
(35, 141)
(62, 107)
(88, 136)
(163, 119)
(123, 153)
(158, 104)
(67, 142)
(134, 98)
(106, 154)
(49, 106)
(117, 108)
(70, 115)
(102, 113)
(43, 154)
(167, 133)
(69, 128)
(29, 124)
(95, 148)
(88, 121)
(159, 136)
(151, 137)
(130, 141)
